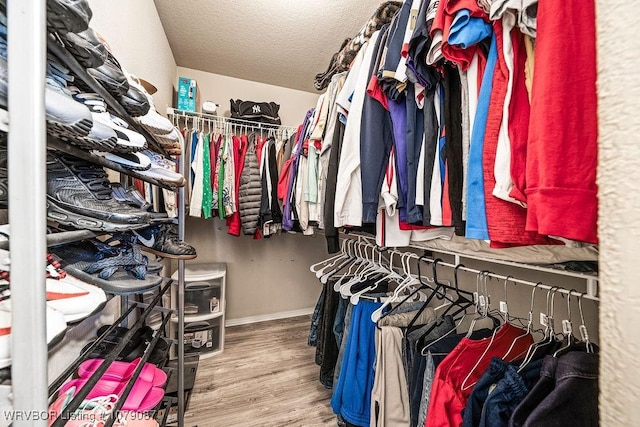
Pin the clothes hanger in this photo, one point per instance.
(539, 348)
(439, 291)
(329, 261)
(355, 298)
(481, 306)
(412, 281)
(356, 262)
(487, 310)
(408, 281)
(567, 330)
(507, 319)
(368, 268)
(584, 333)
(462, 301)
(325, 277)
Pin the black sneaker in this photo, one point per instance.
(68, 16)
(163, 241)
(111, 77)
(87, 48)
(135, 102)
(79, 195)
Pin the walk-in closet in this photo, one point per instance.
(413, 213)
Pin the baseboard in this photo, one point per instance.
(267, 317)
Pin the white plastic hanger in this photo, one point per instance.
(351, 256)
(378, 269)
(407, 282)
(329, 261)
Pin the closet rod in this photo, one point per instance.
(187, 114)
(509, 278)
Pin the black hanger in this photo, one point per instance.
(462, 301)
(439, 291)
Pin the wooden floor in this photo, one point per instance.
(265, 377)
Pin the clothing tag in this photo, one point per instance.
(482, 301)
(543, 319)
(503, 307)
(413, 18)
(475, 297)
(567, 329)
(492, 387)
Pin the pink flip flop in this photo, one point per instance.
(143, 396)
(122, 371)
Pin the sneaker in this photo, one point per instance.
(132, 197)
(163, 241)
(86, 47)
(163, 170)
(135, 102)
(171, 142)
(79, 195)
(72, 297)
(111, 77)
(154, 122)
(127, 140)
(133, 161)
(68, 16)
(56, 329)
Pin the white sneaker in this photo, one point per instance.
(74, 298)
(154, 122)
(128, 140)
(163, 170)
(56, 328)
(133, 161)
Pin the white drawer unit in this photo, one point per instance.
(204, 309)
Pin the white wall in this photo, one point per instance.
(264, 277)
(619, 221)
(136, 37)
(268, 276)
(220, 89)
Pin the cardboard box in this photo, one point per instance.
(187, 94)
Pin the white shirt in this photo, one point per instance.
(348, 201)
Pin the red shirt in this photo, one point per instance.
(562, 150)
(462, 368)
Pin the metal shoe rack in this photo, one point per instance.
(27, 143)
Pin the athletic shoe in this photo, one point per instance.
(68, 16)
(133, 161)
(74, 298)
(163, 170)
(172, 142)
(154, 122)
(68, 120)
(130, 196)
(79, 195)
(127, 140)
(86, 47)
(56, 328)
(163, 241)
(135, 102)
(111, 77)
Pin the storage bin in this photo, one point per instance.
(202, 297)
(202, 337)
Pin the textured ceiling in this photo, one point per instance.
(279, 42)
